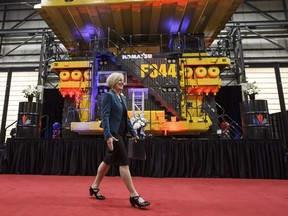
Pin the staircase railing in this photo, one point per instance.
(170, 100)
(230, 129)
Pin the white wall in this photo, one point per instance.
(266, 82)
(20, 80)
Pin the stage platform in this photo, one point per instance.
(165, 157)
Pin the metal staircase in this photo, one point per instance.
(163, 90)
(229, 128)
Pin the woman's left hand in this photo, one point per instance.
(135, 139)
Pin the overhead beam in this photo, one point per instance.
(15, 32)
(264, 14)
(271, 41)
(282, 23)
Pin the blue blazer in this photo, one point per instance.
(111, 113)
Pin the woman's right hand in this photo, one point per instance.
(110, 143)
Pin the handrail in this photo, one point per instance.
(10, 125)
(232, 129)
(145, 80)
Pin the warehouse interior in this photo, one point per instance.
(41, 40)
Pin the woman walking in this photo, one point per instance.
(116, 124)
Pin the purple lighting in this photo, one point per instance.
(185, 25)
(174, 26)
(87, 32)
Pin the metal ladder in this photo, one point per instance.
(138, 97)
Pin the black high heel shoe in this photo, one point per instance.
(135, 201)
(95, 191)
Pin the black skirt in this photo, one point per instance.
(117, 157)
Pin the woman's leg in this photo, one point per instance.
(101, 172)
(127, 179)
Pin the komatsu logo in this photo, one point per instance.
(137, 56)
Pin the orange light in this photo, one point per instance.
(71, 93)
(63, 92)
(206, 90)
(214, 90)
(199, 90)
(190, 90)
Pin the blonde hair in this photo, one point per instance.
(114, 78)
